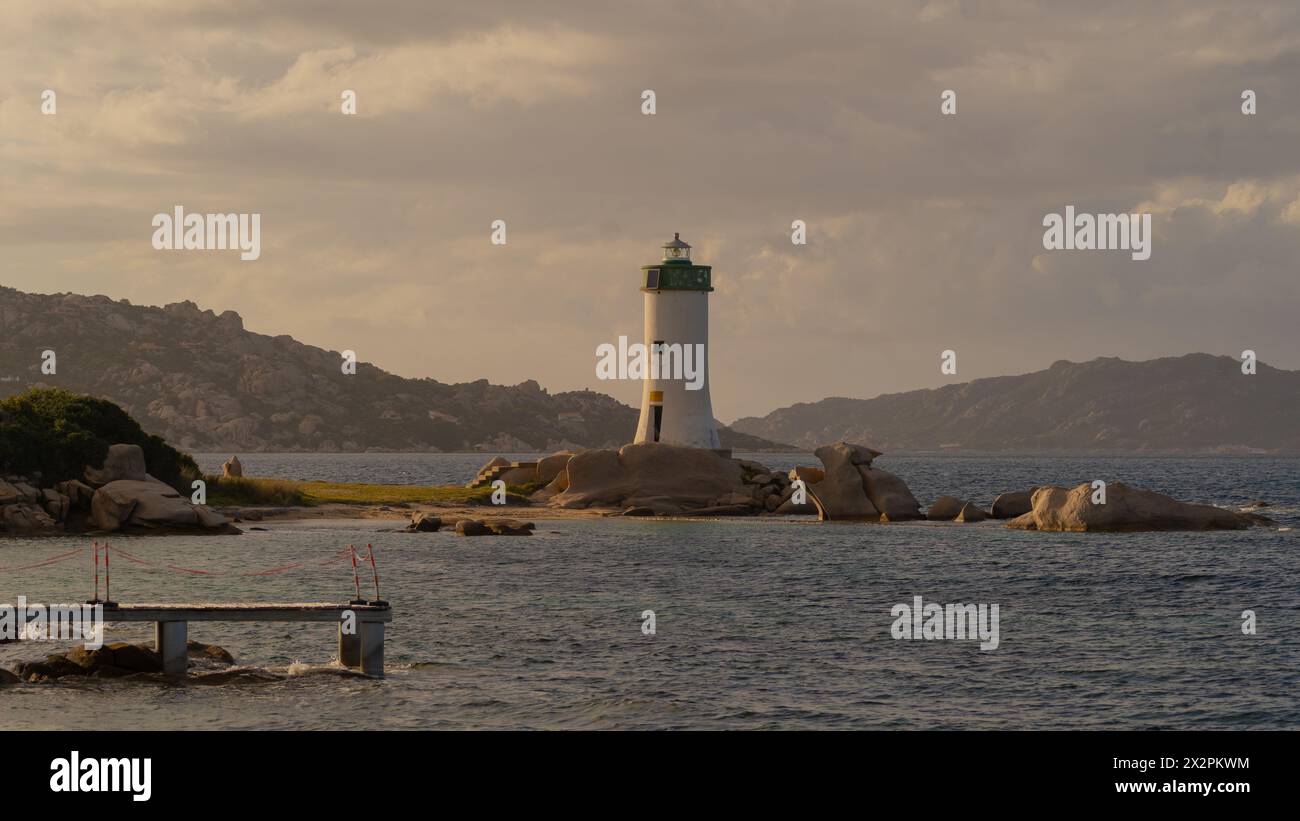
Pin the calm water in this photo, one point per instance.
(760, 623)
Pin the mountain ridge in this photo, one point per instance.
(202, 382)
(1195, 403)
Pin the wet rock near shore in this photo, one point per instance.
(651, 479)
(1126, 509)
(1013, 504)
(841, 493)
(115, 660)
(890, 495)
(424, 523)
(493, 527)
(851, 488)
(945, 509)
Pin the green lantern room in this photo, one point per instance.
(676, 272)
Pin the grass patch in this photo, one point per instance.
(365, 494)
(289, 493)
(224, 491)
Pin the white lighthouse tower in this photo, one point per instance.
(677, 316)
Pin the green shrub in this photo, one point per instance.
(58, 433)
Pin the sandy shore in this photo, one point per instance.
(402, 512)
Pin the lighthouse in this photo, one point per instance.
(677, 411)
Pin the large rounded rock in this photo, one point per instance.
(841, 494)
(548, 467)
(890, 495)
(121, 462)
(683, 476)
(945, 508)
(558, 485)
(109, 511)
(1013, 504)
(1126, 509)
(151, 505)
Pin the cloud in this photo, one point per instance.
(924, 231)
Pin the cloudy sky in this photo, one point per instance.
(924, 231)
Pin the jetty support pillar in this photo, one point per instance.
(349, 647)
(372, 647)
(171, 640)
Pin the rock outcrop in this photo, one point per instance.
(1013, 504)
(890, 495)
(151, 506)
(232, 468)
(1126, 509)
(424, 523)
(28, 511)
(851, 489)
(970, 512)
(945, 509)
(127, 498)
(841, 494)
(550, 467)
(114, 660)
(665, 478)
(493, 527)
(121, 462)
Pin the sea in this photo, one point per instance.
(758, 623)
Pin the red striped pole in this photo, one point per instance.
(96, 543)
(374, 569)
(356, 580)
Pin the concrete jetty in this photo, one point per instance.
(362, 647)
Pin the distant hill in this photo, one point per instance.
(1189, 404)
(203, 383)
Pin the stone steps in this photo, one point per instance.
(487, 477)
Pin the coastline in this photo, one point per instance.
(399, 512)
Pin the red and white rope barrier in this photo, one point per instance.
(44, 563)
